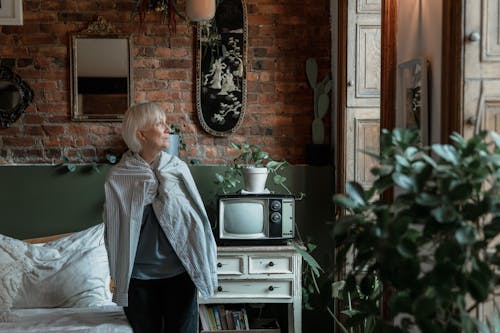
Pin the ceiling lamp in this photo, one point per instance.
(200, 10)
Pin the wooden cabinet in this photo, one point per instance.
(260, 274)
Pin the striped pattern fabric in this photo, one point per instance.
(169, 186)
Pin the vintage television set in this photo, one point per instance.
(255, 219)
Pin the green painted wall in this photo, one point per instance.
(37, 201)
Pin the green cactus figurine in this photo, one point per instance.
(321, 100)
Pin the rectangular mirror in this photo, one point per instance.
(101, 75)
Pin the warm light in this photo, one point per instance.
(200, 10)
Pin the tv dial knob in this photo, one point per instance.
(275, 217)
(275, 205)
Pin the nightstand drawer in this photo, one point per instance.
(269, 265)
(254, 289)
(230, 265)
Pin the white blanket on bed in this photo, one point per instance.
(12, 267)
(105, 319)
(69, 272)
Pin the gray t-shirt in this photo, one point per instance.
(155, 257)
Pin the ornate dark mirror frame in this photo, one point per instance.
(14, 84)
(102, 93)
(221, 82)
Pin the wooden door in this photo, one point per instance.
(482, 81)
(362, 109)
(481, 66)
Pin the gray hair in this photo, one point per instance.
(137, 117)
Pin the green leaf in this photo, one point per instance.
(424, 307)
(461, 192)
(356, 192)
(344, 201)
(315, 267)
(492, 229)
(495, 137)
(219, 179)
(427, 199)
(481, 327)
(403, 181)
(446, 152)
(466, 235)
(278, 179)
(337, 288)
(444, 214)
(402, 161)
(406, 248)
(400, 302)
(71, 167)
(477, 287)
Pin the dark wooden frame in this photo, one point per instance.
(8, 117)
(451, 70)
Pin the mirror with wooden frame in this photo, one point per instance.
(221, 69)
(101, 73)
(15, 96)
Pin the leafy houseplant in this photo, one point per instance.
(250, 156)
(431, 251)
(167, 8)
(318, 151)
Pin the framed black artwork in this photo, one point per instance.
(221, 69)
(412, 97)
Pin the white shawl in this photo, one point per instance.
(169, 186)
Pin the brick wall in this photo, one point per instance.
(282, 35)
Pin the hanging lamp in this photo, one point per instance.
(200, 10)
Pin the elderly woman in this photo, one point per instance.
(160, 245)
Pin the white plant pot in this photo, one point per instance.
(173, 144)
(254, 179)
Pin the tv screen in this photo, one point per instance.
(243, 218)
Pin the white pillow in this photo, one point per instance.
(69, 272)
(12, 269)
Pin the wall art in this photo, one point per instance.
(412, 97)
(221, 69)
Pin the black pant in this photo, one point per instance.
(163, 306)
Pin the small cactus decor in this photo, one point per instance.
(321, 100)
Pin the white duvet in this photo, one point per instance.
(103, 319)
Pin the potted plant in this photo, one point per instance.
(176, 141)
(423, 261)
(318, 153)
(254, 165)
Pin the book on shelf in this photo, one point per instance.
(223, 318)
(211, 317)
(230, 321)
(205, 321)
(217, 317)
(218, 322)
(245, 318)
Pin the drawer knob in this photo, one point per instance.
(219, 264)
(271, 288)
(219, 288)
(271, 264)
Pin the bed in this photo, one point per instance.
(58, 284)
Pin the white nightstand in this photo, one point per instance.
(260, 274)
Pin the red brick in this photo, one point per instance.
(282, 35)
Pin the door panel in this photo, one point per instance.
(482, 46)
(363, 62)
(363, 132)
(362, 114)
